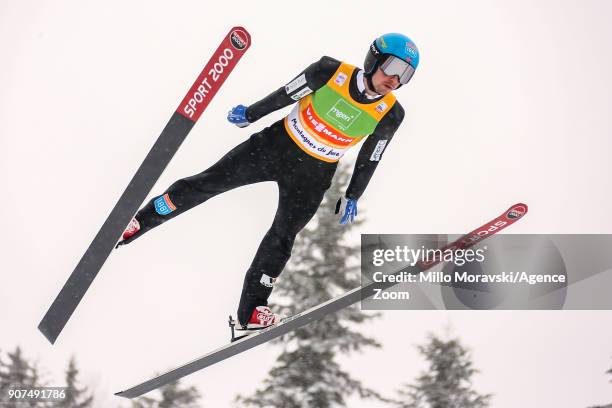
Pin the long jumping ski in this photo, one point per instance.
(214, 74)
(289, 324)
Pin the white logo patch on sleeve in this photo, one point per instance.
(378, 151)
(267, 281)
(295, 84)
(299, 95)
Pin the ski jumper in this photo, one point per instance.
(300, 153)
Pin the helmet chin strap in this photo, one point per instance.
(370, 84)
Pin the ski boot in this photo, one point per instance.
(261, 318)
(132, 228)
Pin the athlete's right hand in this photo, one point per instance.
(237, 116)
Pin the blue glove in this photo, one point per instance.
(237, 116)
(347, 209)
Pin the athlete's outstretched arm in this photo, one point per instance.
(372, 150)
(307, 81)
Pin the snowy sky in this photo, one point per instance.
(511, 102)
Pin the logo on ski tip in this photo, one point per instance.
(163, 205)
(516, 212)
(238, 39)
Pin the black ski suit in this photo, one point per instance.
(271, 155)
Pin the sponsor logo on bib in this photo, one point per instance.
(342, 114)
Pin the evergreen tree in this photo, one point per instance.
(17, 373)
(75, 397)
(448, 381)
(323, 266)
(172, 396)
(609, 405)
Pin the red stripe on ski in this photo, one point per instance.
(216, 71)
(509, 217)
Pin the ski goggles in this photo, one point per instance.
(396, 66)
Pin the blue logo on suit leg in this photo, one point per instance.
(163, 205)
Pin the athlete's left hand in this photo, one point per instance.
(346, 208)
